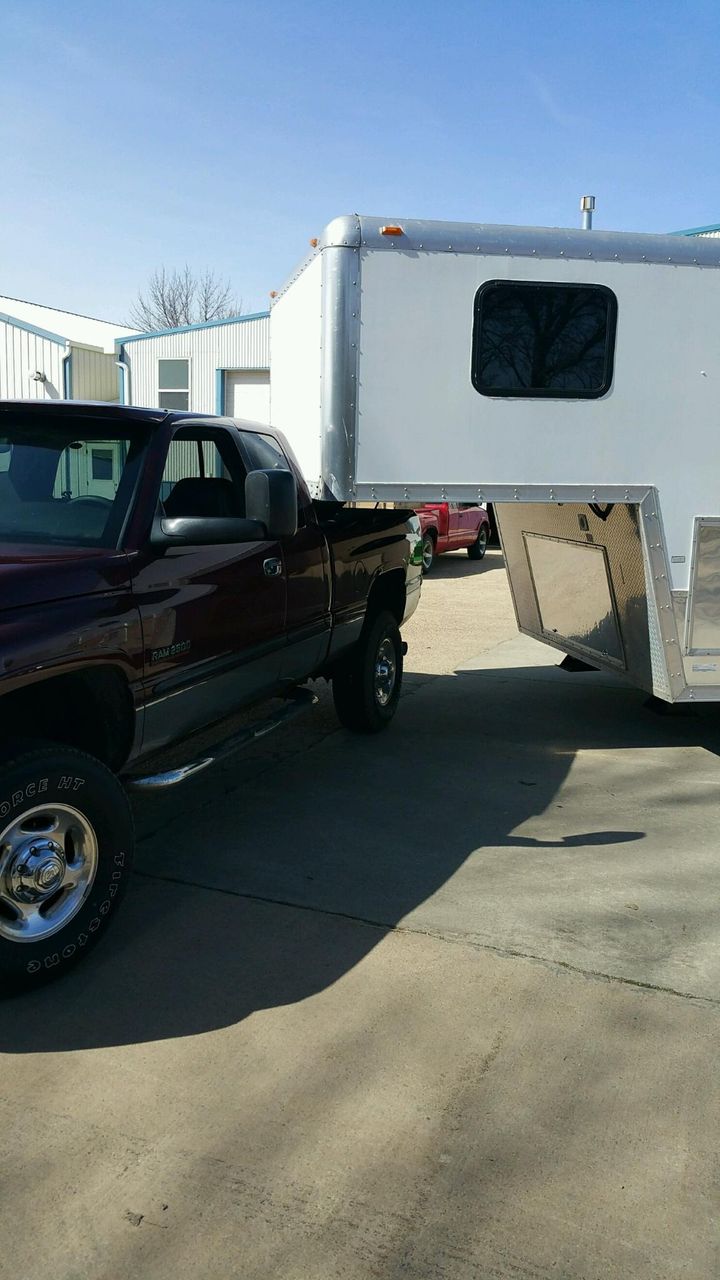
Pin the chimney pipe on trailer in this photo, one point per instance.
(587, 206)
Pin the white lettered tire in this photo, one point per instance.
(66, 848)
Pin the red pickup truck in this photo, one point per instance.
(161, 571)
(450, 526)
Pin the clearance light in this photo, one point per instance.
(314, 242)
(391, 231)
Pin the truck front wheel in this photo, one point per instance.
(66, 847)
(366, 685)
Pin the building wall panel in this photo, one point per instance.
(23, 353)
(244, 344)
(94, 375)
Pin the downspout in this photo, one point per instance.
(67, 375)
(124, 368)
(67, 395)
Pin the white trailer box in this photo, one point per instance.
(572, 378)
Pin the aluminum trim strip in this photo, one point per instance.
(659, 593)
(540, 242)
(419, 491)
(340, 338)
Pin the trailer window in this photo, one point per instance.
(546, 339)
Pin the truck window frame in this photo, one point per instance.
(199, 432)
(544, 393)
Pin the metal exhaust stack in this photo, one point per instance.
(587, 206)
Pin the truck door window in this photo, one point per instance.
(543, 339)
(203, 476)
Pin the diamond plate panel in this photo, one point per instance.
(619, 535)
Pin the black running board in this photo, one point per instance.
(297, 702)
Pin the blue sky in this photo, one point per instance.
(227, 134)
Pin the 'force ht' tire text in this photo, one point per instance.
(66, 847)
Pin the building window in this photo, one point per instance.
(553, 340)
(102, 464)
(174, 384)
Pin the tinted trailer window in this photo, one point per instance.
(543, 339)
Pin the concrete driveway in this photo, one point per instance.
(438, 1004)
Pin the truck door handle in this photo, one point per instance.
(272, 568)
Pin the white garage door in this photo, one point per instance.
(247, 394)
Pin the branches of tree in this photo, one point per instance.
(174, 298)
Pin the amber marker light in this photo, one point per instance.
(391, 231)
(314, 242)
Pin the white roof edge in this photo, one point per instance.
(76, 329)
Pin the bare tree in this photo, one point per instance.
(175, 298)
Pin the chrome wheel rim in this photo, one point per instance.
(428, 552)
(48, 863)
(385, 671)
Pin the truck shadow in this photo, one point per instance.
(457, 564)
(271, 877)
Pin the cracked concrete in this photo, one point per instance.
(440, 1004)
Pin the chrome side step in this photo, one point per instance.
(300, 700)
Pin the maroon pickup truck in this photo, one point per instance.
(159, 572)
(452, 526)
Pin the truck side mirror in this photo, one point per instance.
(271, 497)
(203, 531)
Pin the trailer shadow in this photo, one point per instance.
(271, 877)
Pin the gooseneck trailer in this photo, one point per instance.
(571, 378)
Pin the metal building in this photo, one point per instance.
(219, 366)
(713, 231)
(47, 354)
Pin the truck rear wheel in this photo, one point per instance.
(428, 552)
(66, 847)
(366, 685)
(478, 548)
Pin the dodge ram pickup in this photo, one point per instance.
(161, 571)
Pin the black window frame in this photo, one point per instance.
(246, 434)
(545, 393)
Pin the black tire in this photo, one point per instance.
(365, 701)
(66, 849)
(428, 551)
(479, 546)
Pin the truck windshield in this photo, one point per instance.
(69, 483)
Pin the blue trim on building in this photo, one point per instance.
(190, 328)
(696, 231)
(220, 392)
(32, 328)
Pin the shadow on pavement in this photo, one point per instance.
(457, 564)
(355, 834)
